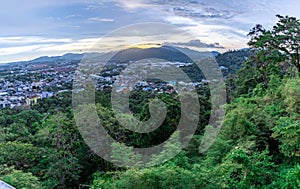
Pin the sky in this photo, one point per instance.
(34, 28)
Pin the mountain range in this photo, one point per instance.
(232, 59)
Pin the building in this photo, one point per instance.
(5, 104)
(32, 100)
(4, 185)
(47, 94)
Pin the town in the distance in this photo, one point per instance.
(23, 84)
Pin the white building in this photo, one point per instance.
(4, 185)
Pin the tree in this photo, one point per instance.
(21, 155)
(288, 133)
(290, 91)
(65, 168)
(284, 37)
(161, 177)
(293, 178)
(125, 156)
(287, 38)
(22, 180)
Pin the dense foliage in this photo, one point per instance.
(258, 147)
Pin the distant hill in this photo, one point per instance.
(45, 59)
(172, 54)
(233, 60)
(230, 61)
(69, 56)
(165, 52)
(215, 53)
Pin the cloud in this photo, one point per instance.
(31, 40)
(97, 19)
(227, 22)
(58, 26)
(94, 5)
(184, 8)
(206, 20)
(134, 4)
(20, 49)
(202, 12)
(196, 43)
(72, 16)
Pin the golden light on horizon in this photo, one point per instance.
(145, 46)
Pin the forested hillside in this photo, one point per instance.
(258, 147)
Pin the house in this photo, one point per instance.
(5, 104)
